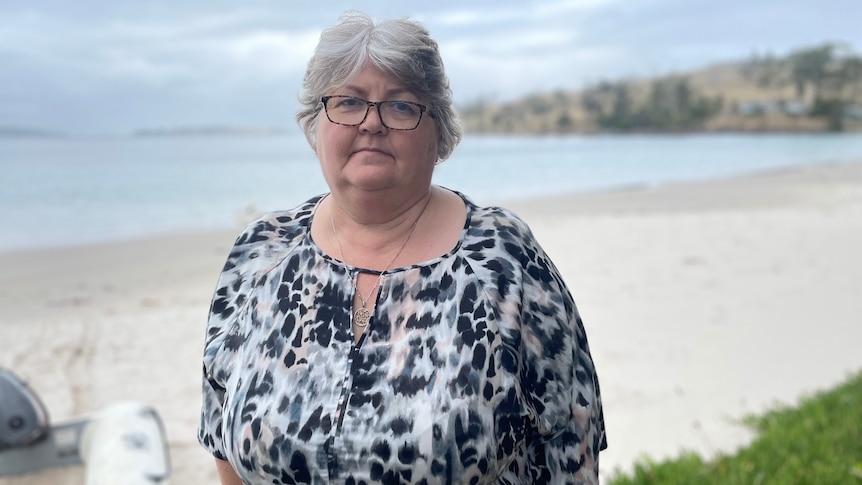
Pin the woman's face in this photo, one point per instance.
(371, 157)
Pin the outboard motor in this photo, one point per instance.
(28, 442)
(124, 444)
(23, 418)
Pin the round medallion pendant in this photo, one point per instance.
(361, 317)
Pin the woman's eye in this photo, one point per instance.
(402, 107)
(350, 103)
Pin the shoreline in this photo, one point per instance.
(703, 302)
(637, 197)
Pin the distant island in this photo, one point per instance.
(210, 130)
(813, 89)
(19, 132)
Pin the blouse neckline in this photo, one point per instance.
(351, 268)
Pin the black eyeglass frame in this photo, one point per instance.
(369, 104)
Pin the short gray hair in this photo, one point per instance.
(400, 47)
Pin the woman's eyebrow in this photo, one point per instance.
(389, 93)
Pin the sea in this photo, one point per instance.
(81, 190)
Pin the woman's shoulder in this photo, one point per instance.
(496, 222)
(283, 225)
(271, 235)
(500, 244)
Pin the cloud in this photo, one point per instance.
(474, 74)
(272, 53)
(216, 60)
(470, 17)
(179, 68)
(521, 12)
(117, 63)
(157, 50)
(550, 9)
(512, 45)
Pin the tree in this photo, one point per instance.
(809, 68)
(565, 123)
(767, 71)
(834, 74)
(671, 104)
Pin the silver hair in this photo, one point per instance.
(400, 47)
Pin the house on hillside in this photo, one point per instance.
(853, 112)
(755, 108)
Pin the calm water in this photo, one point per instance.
(74, 191)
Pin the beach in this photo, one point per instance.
(703, 302)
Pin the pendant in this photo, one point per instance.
(361, 317)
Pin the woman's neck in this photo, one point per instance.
(372, 245)
(367, 233)
(380, 212)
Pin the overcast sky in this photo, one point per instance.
(114, 66)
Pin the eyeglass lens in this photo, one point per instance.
(348, 110)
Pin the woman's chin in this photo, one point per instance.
(373, 178)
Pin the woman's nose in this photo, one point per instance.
(372, 123)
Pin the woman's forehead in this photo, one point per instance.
(371, 79)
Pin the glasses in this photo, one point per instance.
(352, 111)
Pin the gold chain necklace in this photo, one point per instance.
(362, 315)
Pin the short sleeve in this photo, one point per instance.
(223, 338)
(210, 432)
(558, 378)
(226, 304)
(257, 250)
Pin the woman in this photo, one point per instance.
(393, 331)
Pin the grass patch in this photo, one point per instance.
(817, 442)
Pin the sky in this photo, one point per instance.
(116, 66)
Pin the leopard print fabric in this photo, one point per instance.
(474, 369)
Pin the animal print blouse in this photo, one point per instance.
(475, 367)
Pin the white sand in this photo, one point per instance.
(703, 302)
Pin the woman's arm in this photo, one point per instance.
(226, 474)
(558, 377)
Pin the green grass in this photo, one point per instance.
(818, 442)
